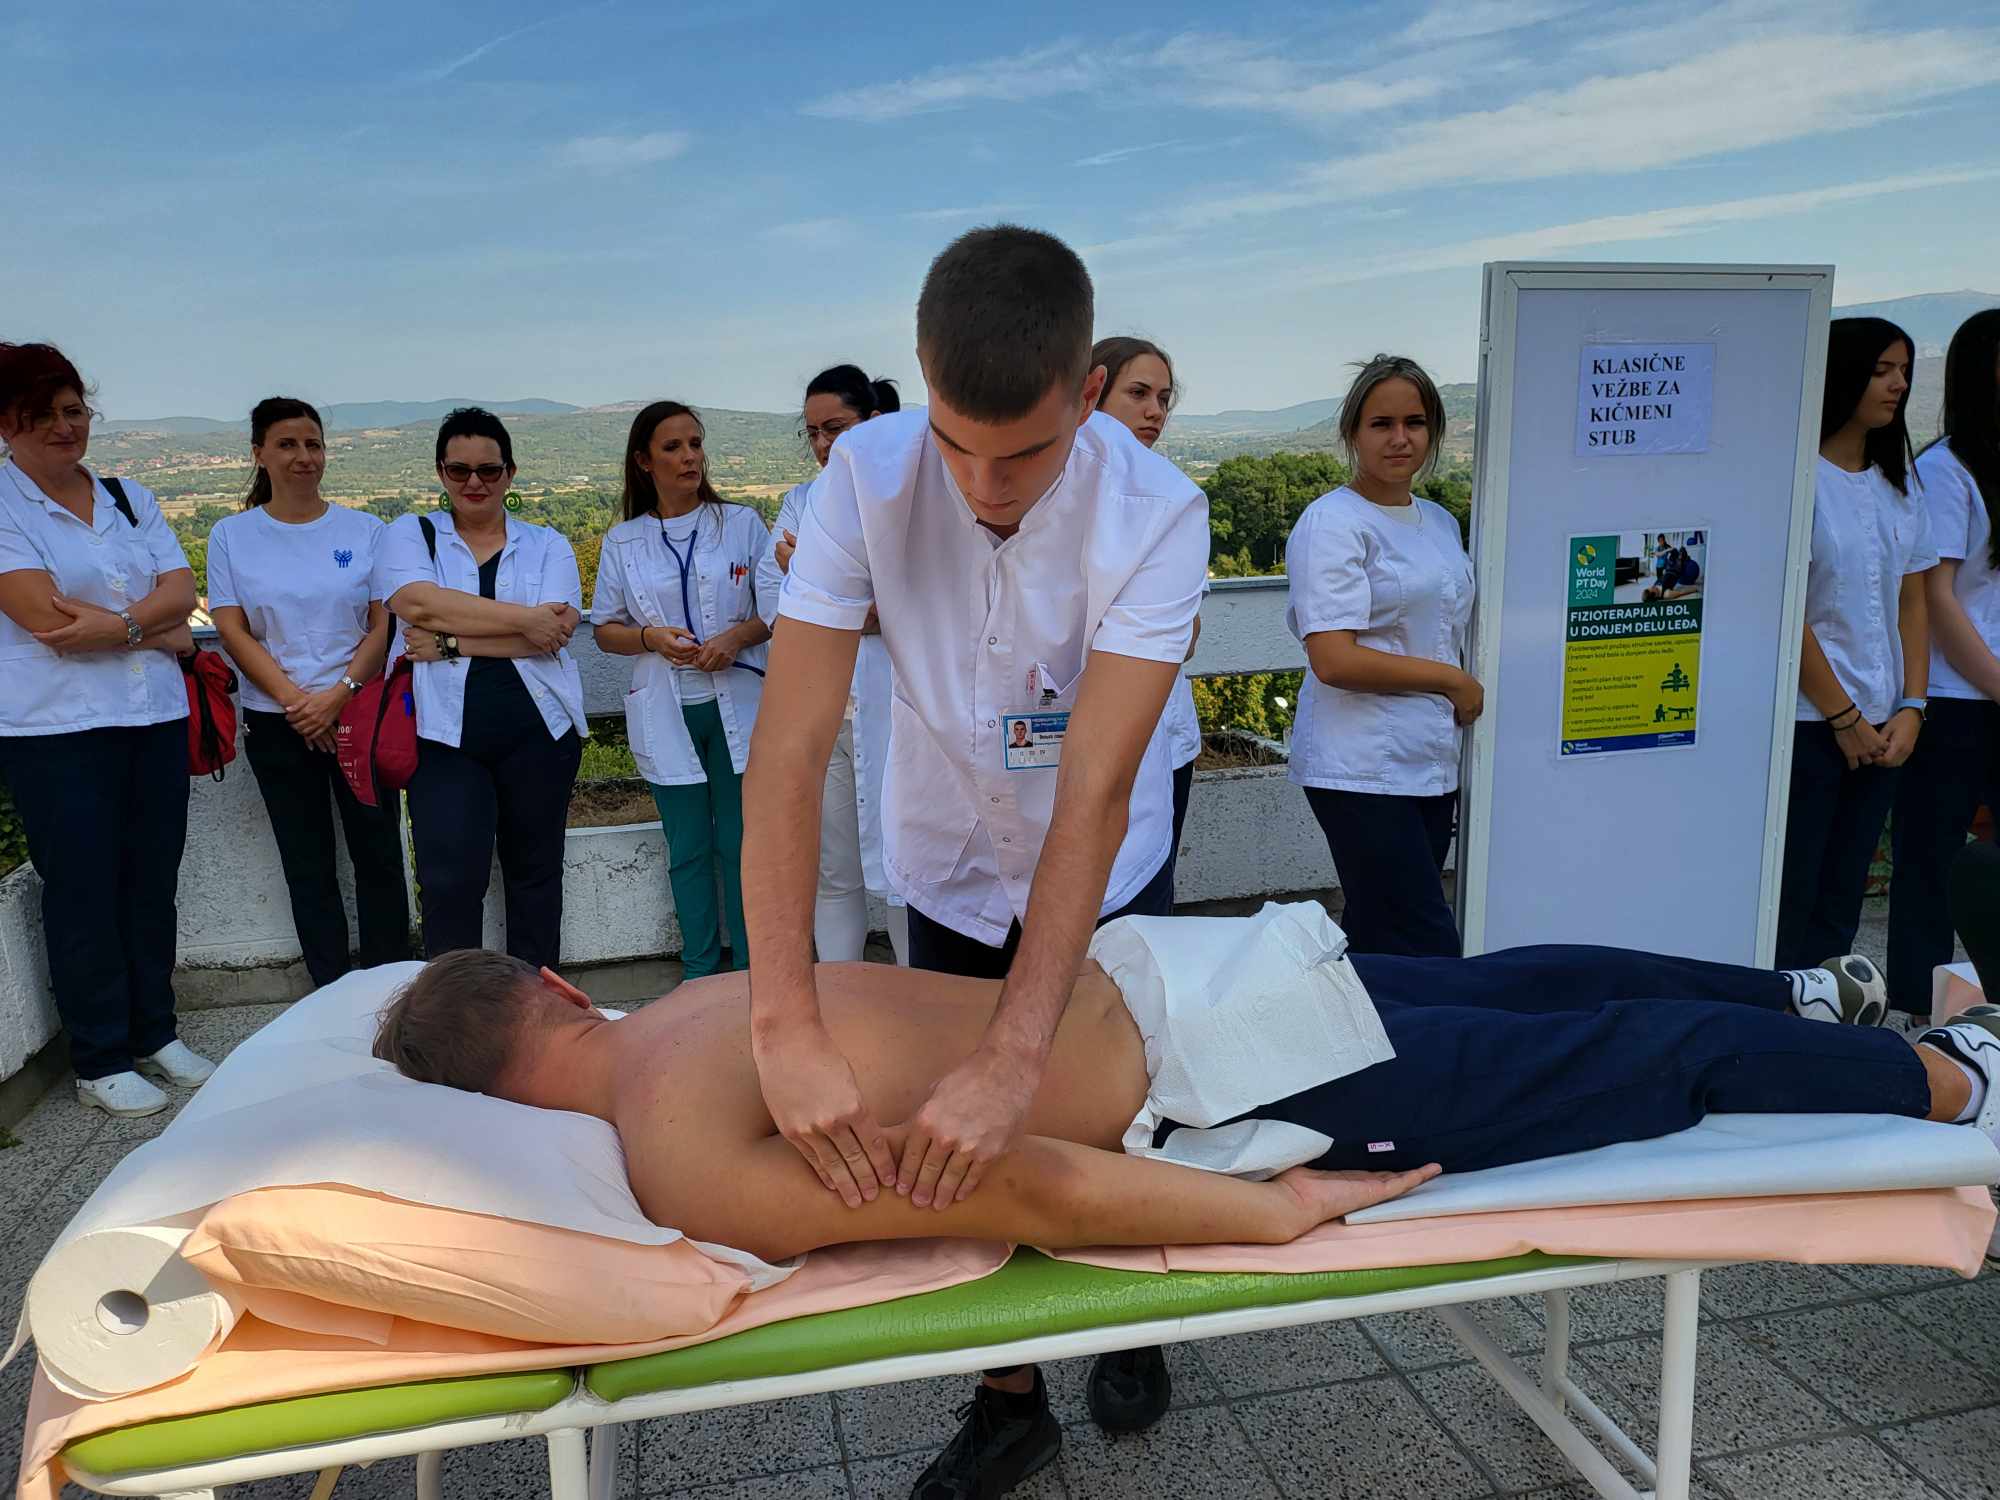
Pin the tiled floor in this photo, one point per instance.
(1834, 1382)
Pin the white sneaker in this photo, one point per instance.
(1973, 1037)
(126, 1095)
(1860, 996)
(178, 1065)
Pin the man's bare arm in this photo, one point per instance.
(808, 1085)
(1050, 1193)
(976, 1109)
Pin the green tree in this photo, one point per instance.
(1253, 503)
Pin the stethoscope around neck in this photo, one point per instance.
(686, 566)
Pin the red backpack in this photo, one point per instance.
(211, 720)
(376, 739)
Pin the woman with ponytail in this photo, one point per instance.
(1957, 762)
(677, 588)
(850, 819)
(1866, 651)
(289, 589)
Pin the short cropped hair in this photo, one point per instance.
(459, 1021)
(1393, 367)
(1005, 315)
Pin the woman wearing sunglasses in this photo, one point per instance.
(487, 604)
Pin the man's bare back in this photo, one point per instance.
(686, 1094)
(678, 1082)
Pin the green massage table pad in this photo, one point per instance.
(1029, 1297)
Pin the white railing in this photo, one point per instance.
(1249, 835)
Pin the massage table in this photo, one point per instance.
(1033, 1309)
(1037, 1308)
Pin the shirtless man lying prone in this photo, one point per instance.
(1507, 1057)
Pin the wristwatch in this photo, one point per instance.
(133, 634)
(1921, 705)
(447, 646)
(349, 683)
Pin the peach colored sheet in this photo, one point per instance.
(1943, 1227)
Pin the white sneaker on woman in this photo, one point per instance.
(126, 1095)
(178, 1065)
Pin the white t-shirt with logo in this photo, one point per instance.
(304, 589)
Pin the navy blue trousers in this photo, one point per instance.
(1955, 768)
(1536, 1052)
(1389, 852)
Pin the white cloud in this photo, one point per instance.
(1456, 20)
(1041, 73)
(623, 153)
(1106, 158)
(991, 212)
(445, 70)
(1640, 228)
(1748, 94)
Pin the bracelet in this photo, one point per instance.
(1844, 713)
(642, 638)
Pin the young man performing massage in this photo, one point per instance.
(1508, 1057)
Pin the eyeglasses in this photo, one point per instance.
(826, 433)
(460, 473)
(76, 415)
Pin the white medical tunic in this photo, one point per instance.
(640, 582)
(303, 589)
(1401, 581)
(106, 561)
(868, 695)
(1867, 536)
(1962, 528)
(537, 566)
(1111, 559)
(1180, 723)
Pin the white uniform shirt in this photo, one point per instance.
(868, 695)
(537, 566)
(1961, 527)
(1110, 559)
(1180, 723)
(108, 562)
(640, 583)
(304, 590)
(1867, 537)
(1403, 584)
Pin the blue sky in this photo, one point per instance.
(596, 202)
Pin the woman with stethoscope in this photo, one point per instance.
(850, 818)
(677, 587)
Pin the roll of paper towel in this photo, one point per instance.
(118, 1310)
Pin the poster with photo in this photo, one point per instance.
(1632, 641)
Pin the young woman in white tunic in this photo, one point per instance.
(1956, 765)
(94, 603)
(1867, 650)
(1381, 597)
(1139, 391)
(850, 814)
(290, 591)
(677, 588)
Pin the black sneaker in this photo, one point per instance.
(1003, 1441)
(1129, 1389)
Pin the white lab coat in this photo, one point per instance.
(639, 583)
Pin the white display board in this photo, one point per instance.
(1641, 524)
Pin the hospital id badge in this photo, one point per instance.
(1031, 738)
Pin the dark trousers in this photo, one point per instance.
(511, 788)
(1831, 832)
(1390, 852)
(105, 814)
(1955, 768)
(1975, 911)
(1535, 1052)
(295, 780)
(942, 950)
